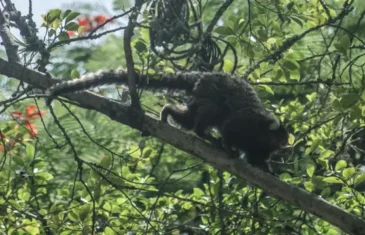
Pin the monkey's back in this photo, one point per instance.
(234, 94)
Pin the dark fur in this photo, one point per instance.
(252, 134)
(229, 104)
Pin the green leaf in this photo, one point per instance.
(81, 30)
(295, 75)
(18, 160)
(314, 145)
(311, 97)
(228, 65)
(345, 42)
(310, 170)
(308, 185)
(340, 49)
(39, 163)
(348, 172)
(291, 139)
(53, 15)
(286, 177)
(72, 26)
(267, 89)
(326, 192)
(240, 24)
(73, 216)
(147, 153)
(107, 206)
(51, 32)
(44, 176)
(297, 20)
(97, 192)
(326, 154)
(224, 30)
(340, 164)
(24, 196)
(168, 70)
(355, 113)
(271, 41)
(31, 228)
(71, 16)
(63, 36)
(109, 231)
(359, 179)
(290, 64)
(336, 105)
(30, 150)
(75, 74)
(106, 161)
(323, 162)
(65, 14)
(140, 46)
(349, 100)
(333, 180)
(276, 26)
(84, 212)
(197, 192)
(125, 172)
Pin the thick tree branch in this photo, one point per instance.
(10, 46)
(298, 197)
(128, 33)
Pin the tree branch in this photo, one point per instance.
(298, 197)
(128, 33)
(10, 46)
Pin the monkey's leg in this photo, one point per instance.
(206, 117)
(259, 161)
(182, 115)
(235, 134)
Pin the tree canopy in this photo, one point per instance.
(101, 162)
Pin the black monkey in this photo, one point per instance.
(218, 100)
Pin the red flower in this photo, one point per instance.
(86, 23)
(31, 112)
(100, 19)
(31, 128)
(70, 33)
(17, 114)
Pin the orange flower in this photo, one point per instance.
(31, 128)
(85, 22)
(17, 114)
(31, 112)
(70, 33)
(100, 19)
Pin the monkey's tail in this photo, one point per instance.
(179, 81)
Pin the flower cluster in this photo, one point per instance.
(89, 23)
(31, 112)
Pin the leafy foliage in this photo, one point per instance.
(81, 171)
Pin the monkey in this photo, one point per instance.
(258, 134)
(218, 100)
